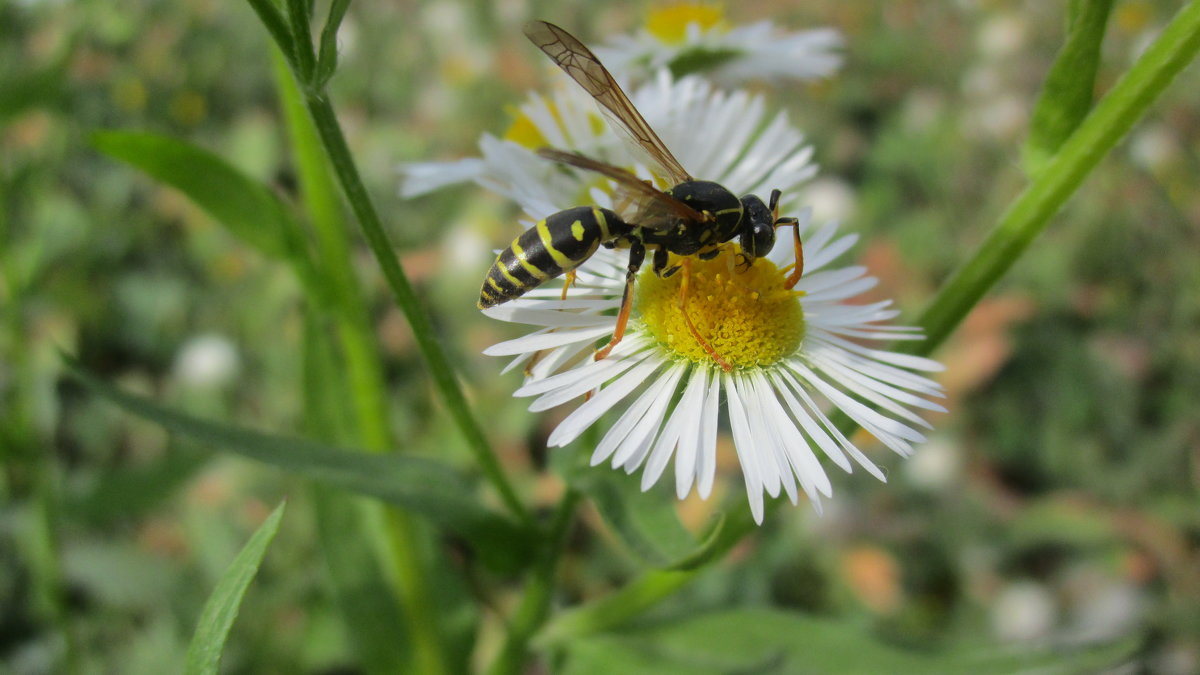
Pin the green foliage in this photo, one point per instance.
(1066, 97)
(646, 521)
(760, 640)
(423, 486)
(250, 211)
(1071, 425)
(204, 654)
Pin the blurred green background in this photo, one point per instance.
(1058, 499)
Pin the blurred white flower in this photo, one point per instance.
(207, 361)
(830, 199)
(1154, 147)
(1024, 611)
(936, 465)
(691, 37)
(1002, 36)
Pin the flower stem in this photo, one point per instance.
(535, 605)
(1028, 215)
(431, 349)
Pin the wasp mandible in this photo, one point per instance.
(693, 218)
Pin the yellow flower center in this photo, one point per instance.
(669, 23)
(525, 133)
(747, 316)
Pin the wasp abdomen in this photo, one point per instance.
(558, 244)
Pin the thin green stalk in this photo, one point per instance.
(318, 193)
(644, 592)
(431, 349)
(535, 605)
(1113, 117)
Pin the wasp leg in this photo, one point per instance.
(798, 270)
(683, 291)
(637, 255)
(567, 284)
(537, 356)
(662, 266)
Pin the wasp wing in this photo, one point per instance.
(646, 205)
(582, 65)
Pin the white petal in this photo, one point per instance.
(745, 448)
(891, 433)
(893, 358)
(643, 434)
(810, 427)
(706, 467)
(815, 412)
(621, 429)
(838, 292)
(422, 177)
(534, 315)
(820, 282)
(686, 415)
(587, 381)
(842, 371)
(798, 452)
(568, 378)
(539, 341)
(762, 446)
(768, 436)
(587, 414)
(687, 455)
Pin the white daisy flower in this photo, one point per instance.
(796, 354)
(795, 351)
(692, 37)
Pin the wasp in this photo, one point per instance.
(693, 218)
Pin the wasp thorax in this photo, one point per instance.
(748, 315)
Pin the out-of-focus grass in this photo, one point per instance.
(1058, 497)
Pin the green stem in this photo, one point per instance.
(431, 349)
(1028, 215)
(646, 591)
(1111, 119)
(535, 605)
(363, 376)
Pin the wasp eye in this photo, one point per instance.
(759, 240)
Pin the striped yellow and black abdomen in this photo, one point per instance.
(558, 244)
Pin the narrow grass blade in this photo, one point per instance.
(204, 653)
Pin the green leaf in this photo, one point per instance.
(1070, 84)
(204, 653)
(423, 486)
(765, 640)
(246, 208)
(128, 493)
(299, 14)
(327, 52)
(645, 521)
(699, 59)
